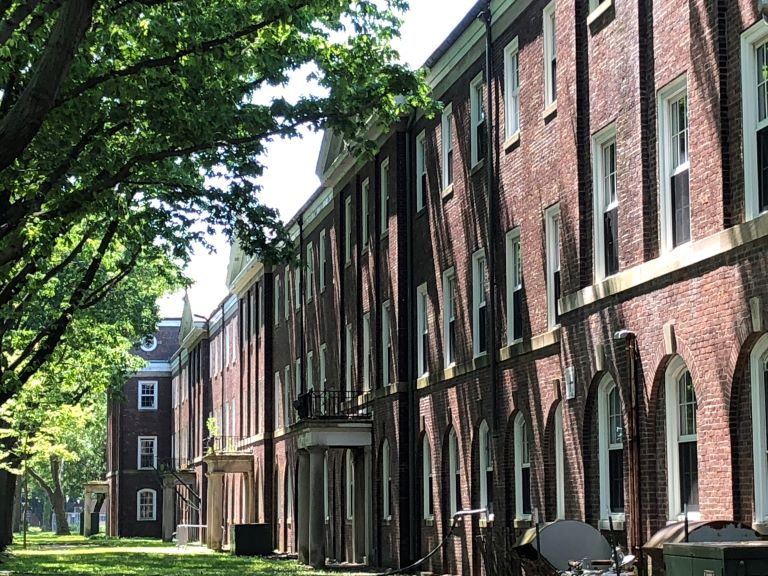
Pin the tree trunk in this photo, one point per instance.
(17, 508)
(55, 495)
(8, 483)
(59, 510)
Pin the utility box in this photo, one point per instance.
(716, 559)
(252, 540)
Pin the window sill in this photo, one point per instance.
(692, 517)
(601, 16)
(618, 522)
(550, 111)
(447, 192)
(523, 523)
(421, 211)
(348, 263)
(761, 527)
(477, 167)
(480, 361)
(429, 521)
(364, 251)
(486, 521)
(512, 142)
(387, 521)
(522, 346)
(384, 234)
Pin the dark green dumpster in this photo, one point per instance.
(252, 540)
(716, 559)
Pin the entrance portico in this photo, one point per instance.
(218, 465)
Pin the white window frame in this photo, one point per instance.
(297, 378)
(486, 464)
(348, 358)
(553, 230)
(758, 364)
(751, 39)
(449, 313)
(310, 366)
(287, 396)
(454, 469)
(666, 96)
(365, 216)
(427, 480)
(227, 344)
(350, 484)
(559, 464)
(446, 137)
(310, 264)
(421, 171)
(511, 89)
(595, 4)
(384, 196)
(386, 480)
(673, 373)
(347, 230)
(386, 341)
(477, 116)
(366, 352)
(422, 327)
(322, 368)
(142, 395)
(139, 516)
(604, 389)
(521, 428)
(514, 280)
(286, 292)
(277, 299)
(139, 440)
(479, 298)
(148, 343)
(550, 54)
(323, 259)
(297, 288)
(600, 141)
(277, 392)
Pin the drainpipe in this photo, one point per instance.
(302, 293)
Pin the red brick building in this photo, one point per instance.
(547, 301)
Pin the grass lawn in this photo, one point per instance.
(70, 555)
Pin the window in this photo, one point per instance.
(754, 84)
(347, 230)
(297, 297)
(310, 368)
(479, 304)
(287, 398)
(227, 344)
(276, 412)
(478, 135)
(322, 259)
(447, 138)
(454, 472)
(323, 352)
(422, 311)
(350, 485)
(593, 4)
(550, 56)
(522, 469)
(552, 227)
(148, 343)
(366, 215)
(559, 463)
(289, 497)
(682, 455)
(606, 203)
(759, 378)
(348, 358)
(277, 299)
(298, 390)
(146, 505)
(310, 270)
(486, 469)
(674, 165)
(611, 450)
(147, 449)
(286, 293)
(366, 352)
(449, 313)
(514, 287)
(386, 481)
(384, 194)
(233, 327)
(511, 89)
(386, 345)
(326, 489)
(421, 171)
(428, 488)
(147, 395)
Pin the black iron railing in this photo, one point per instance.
(329, 404)
(221, 444)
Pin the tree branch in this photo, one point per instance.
(41, 481)
(8, 26)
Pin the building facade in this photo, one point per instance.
(547, 301)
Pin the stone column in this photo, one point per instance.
(316, 508)
(303, 510)
(108, 523)
(87, 507)
(168, 509)
(250, 494)
(215, 535)
(368, 467)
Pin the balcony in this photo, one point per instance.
(329, 404)
(223, 445)
(331, 419)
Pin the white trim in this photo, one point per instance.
(674, 372)
(514, 281)
(350, 485)
(139, 516)
(297, 378)
(511, 89)
(366, 352)
(666, 95)
(446, 127)
(477, 116)
(141, 394)
(604, 389)
(365, 193)
(386, 480)
(322, 258)
(421, 170)
(386, 341)
(322, 375)
(286, 292)
(422, 328)
(756, 34)
(384, 195)
(277, 298)
(310, 370)
(287, 396)
(449, 314)
(758, 363)
(553, 235)
(427, 479)
(454, 470)
(310, 264)
(486, 465)
(600, 141)
(148, 343)
(550, 54)
(559, 463)
(276, 393)
(139, 440)
(347, 230)
(479, 299)
(297, 289)
(521, 429)
(348, 358)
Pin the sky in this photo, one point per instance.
(290, 178)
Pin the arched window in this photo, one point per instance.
(559, 463)
(427, 479)
(611, 447)
(759, 377)
(486, 468)
(454, 472)
(682, 455)
(522, 469)
(146, 505)
(350, 485)
(386, 481)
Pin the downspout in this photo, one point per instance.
(303, 300)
